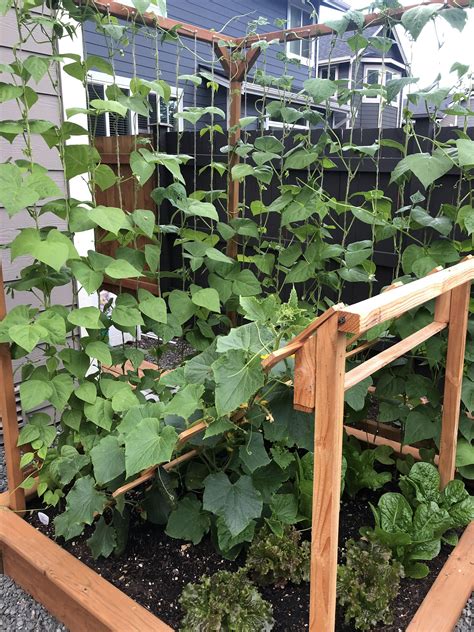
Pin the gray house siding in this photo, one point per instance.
(47, 107)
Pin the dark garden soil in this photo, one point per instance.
(155, 569)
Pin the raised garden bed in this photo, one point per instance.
(155, 569)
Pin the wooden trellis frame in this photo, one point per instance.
(81, 598)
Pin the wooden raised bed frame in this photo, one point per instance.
(80, 597)
(83, 600)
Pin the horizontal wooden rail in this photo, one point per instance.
(362, 316)
(374, 439)
(317, 30)
(69, 589)
(389, 355)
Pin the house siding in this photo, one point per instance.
(139, 57)
(47, 107)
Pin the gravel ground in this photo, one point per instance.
(19, 612)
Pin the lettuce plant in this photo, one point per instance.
(414, 522)
(225, 601)
(277, 559)
(367, 583)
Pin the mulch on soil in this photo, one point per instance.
(155, 568)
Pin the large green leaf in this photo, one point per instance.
(427, 168)
(110, 218)
(13, 194)
(253, 453)
(34, 392)
(236, 380)
(108, 460)
(414, 20)
(250, 338)
(237, 503)
(152, 306)
(441, 224)
(84, 501)
(186, 401)
(465, 152)
(320, 89)
(149, 444)
(87, 317)
(188, 521)
(100, 413)
(103, 540)
(208, 298)
(100, 351)
(122, 269)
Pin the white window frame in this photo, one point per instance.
(306, 61)
(271, 124)
(382, 70)
(103, 79)
(334, 67)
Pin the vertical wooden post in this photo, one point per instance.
(304, 380)
(9, 417)
(458, 315)
(329, 413)
(235, 110)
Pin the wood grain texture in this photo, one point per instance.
(364, 315)
(235, 110)
(305, 372)
(387, 356)
(458, 316)
(9, 418)
(329, 404)
(442, 606)
(122, 11)
(319, 30)
(70, 590)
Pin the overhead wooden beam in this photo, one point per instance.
(364, 315)
(319, 30)
(121, 11)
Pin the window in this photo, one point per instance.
(302, 49)
(100, 86)
(329, 72)
(376, 77)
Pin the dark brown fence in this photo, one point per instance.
(369, 176)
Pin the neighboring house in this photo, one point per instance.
(449, 113)
(288, 64)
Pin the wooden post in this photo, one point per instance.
(458, 315)
(329, 404)
(235, 109)
(9, 417)
(303, 395)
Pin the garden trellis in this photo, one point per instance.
(320, 348)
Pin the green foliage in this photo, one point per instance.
(253, 460)
(225, 601)
(360, 471)
(414, 522)
(277, 559)
(367, 583)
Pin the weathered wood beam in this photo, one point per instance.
(319, 30)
